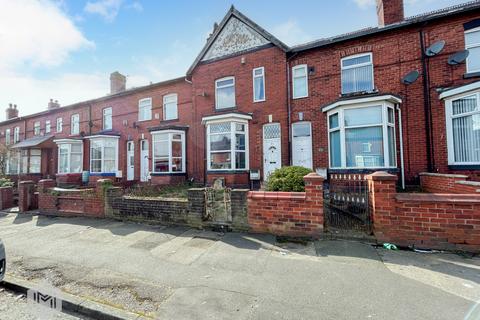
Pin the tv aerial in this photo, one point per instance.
(411, 77)
(435, 48)
(458, 58)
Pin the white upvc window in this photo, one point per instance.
(104, 154)
(463, 129)
(472, 43)
(225, 93)
(36, 128)
(145, 109)
(300, 81)
(362, 136)
(259, 84)
(59, 125)
(13, 162)
(34, 165)
(16, 134)
(70, 156)
(48, 126)
(170, 107)
(107, 118)
(168, 151)
(75, 124)
(7, 136)
(227, 145)
(357, 73)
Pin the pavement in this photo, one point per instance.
(158, 272)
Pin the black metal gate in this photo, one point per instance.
(346, 204)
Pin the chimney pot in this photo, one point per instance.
(389, 12)
(118, 82)
(11, 111)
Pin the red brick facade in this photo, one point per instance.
(395, 50)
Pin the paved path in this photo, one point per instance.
(180, 273)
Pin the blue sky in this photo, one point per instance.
(66, 49)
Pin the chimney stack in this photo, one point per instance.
(12, 111)
(389, 12)
(53, 104)
(118, 82)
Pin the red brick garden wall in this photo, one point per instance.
(448, 183)
(441, 221)
(288, 213)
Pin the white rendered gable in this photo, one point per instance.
(236, 36)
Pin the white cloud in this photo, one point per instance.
(290, 33)
(108, 9)
(135, 5)
(37, 33)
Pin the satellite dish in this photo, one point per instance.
(435, 48)
(411, 77)
(458, 57)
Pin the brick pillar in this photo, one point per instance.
(25, 195)
(382, 188)
(112, 196)
(314, 199)
(45, 184)
(101, 185)
(6, 197)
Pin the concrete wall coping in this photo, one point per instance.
(155, 199)
(445, 175)
(381, 176)
(469, 183)
(26, 182)
(437, 197)
(277, 195)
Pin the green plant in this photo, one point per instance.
(287, 179)
(4, 182)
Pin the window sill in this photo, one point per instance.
(471, 75)
(243, 171)
(464, 166)
(103, 174)
(297, 98)
(169, 120)
(361, 170)
(225, 109)
(259, 101)
(143, 120)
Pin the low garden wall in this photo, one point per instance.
(425, 220)
(448, 183)
(6, 197)
(288, 213)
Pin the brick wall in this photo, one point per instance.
(26, 196)
(440, 221)
(6, 197)
(448, 183)
(288, 213)
(75, 202)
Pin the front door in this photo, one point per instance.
(130, 161)
(302, 145)
(144, 161)
(272, 149)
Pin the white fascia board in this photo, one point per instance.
(387, 97)
(227, 116)
(460, 90)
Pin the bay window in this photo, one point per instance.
(362, 136)
(472, 44)
(227, 145)
(357, 73)
(225, 93)
(104, 154)
(168, 151)
(170, 109)
(70, 156)
(463, 130)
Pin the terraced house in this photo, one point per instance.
(403, 97)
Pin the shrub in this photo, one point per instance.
(288, 179)
(4, 182)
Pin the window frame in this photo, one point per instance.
(69, 143)
(449, 125)
(300, 66)
(170, 139)
(232, 150)
(254, 76)
(36, 128)
(165, 97)
(470, 46)
(385, 124)
(104, 118)
(357, 66)
(16, 134)
(141, 108)
(75, 124)
(7, 136)
(30, 157)
(59, 124)
(48, 126)
(222, 87)
(102, 159)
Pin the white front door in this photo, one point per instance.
(302, 145)
(144, 172)
(130, 161)
(272, 149)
